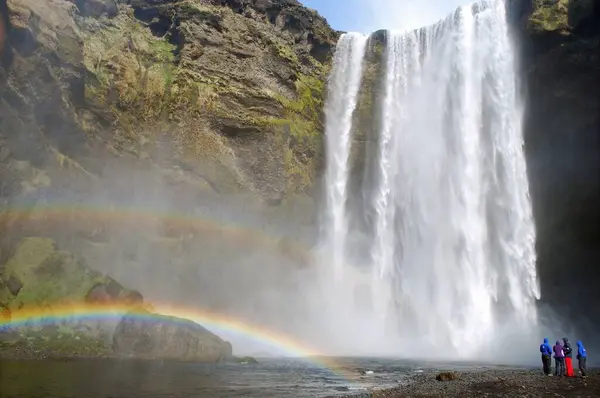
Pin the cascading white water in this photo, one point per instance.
(344, 84)
(452, 248)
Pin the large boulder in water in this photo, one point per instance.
(153, 336)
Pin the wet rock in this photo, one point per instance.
(113, 292)
(244, 360)
(14, 285)
(163, 337)
(446, 376)
(560, 64)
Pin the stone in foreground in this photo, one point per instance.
(165, 337)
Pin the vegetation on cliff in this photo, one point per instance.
(230, 93)
(103, 100)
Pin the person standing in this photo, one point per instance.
(568, 357)
(559, 359)
(582, 359)
(546, 352)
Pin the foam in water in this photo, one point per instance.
(452, 258)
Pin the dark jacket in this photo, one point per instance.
(581, 351)
(545, 348)
(567, 347)
(558, 350)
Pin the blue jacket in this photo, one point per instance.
(545, 348)
(581, 351)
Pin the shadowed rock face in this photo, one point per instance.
(561, 69)
(162, 337)
(3, 32)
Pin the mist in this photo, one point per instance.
(184, 243)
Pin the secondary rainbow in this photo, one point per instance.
(99, 312)
(167, 223)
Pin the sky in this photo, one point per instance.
(369, 15)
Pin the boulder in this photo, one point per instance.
(112, 291)
(164, 337)
(244, 360)
(446, 376)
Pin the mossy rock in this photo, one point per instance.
(46, 276)
(549, 16)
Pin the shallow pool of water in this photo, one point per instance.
(148, 379)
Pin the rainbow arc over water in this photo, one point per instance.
(82, 312)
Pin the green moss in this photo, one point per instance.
(286, 52)
(191, 9)
(47, 275)
(300, 130)
(549, 15)
(132, 69)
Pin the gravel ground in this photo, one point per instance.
(495, 383)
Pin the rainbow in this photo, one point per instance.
(71, 214)
(85, 218)
(106, 312)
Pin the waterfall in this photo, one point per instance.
(344, 84)
(451, 239)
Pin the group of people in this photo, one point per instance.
(563, 358)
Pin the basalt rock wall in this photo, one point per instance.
(560, 59)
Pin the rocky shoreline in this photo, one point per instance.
(494, 383)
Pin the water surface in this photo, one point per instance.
(149, 379)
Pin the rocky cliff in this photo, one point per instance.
(208, 102)
(171, 106)
(223, 96)
(162, 104)
(561, 70)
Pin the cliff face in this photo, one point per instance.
(225, 95)
(175, 104)
(561, 61)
